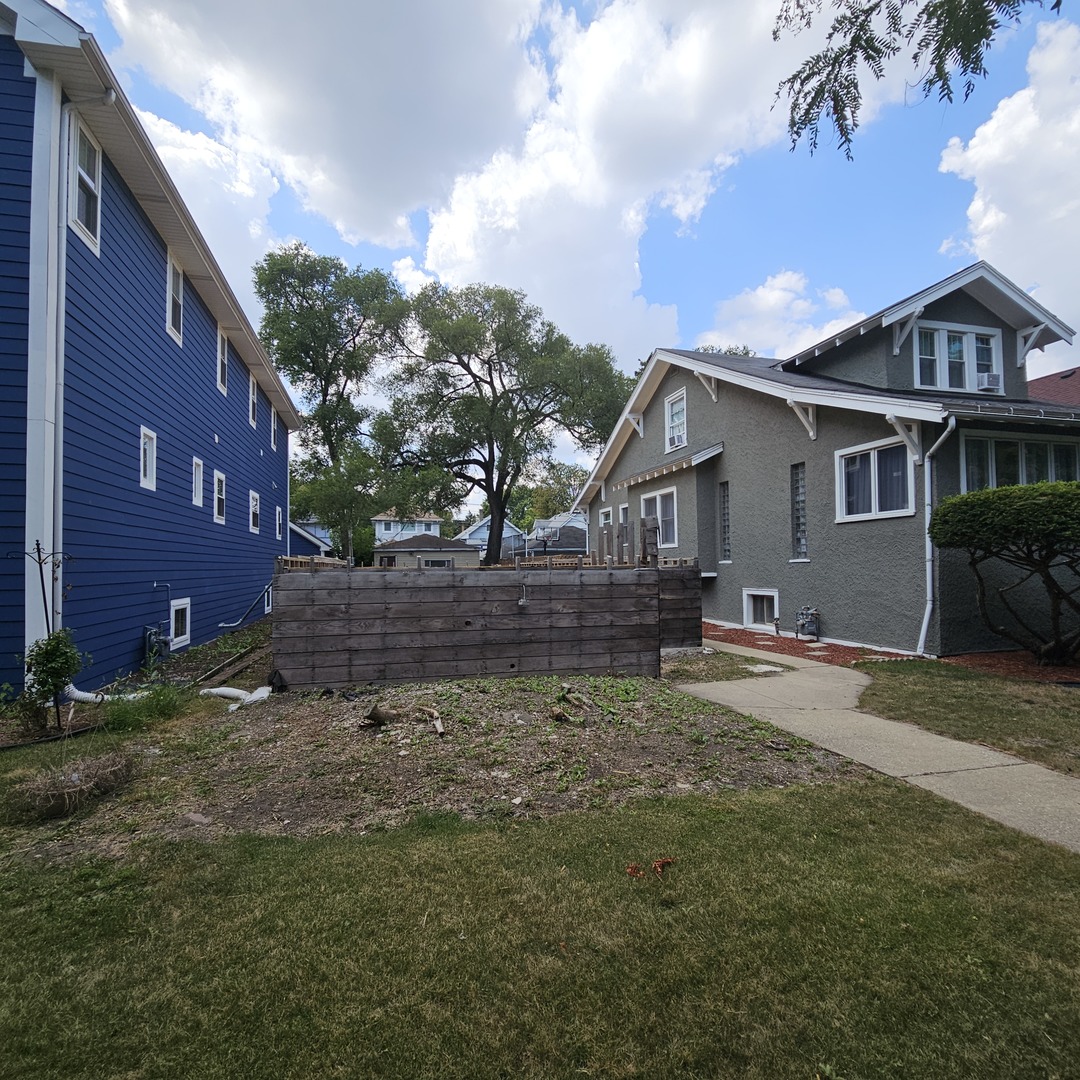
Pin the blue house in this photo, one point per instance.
(143, 430)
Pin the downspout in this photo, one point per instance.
(927, 509)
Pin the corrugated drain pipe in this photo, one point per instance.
(928, 508)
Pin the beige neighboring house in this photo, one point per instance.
(389, 526)
(426, 552)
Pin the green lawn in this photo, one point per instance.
(1036, 721)
(862, 926)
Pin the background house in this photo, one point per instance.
(303, 541)
(1062, 387)
(144, 430)
(477, 535)
(389, 526)
(810, 480)
(564, 534)
(426, 552)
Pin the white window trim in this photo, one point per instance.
(253, 400)
(219, 476)
(273, 427)
(624, 513)
(254, 511)
(669, 401)
(175, 606)
(91, 239)
(172, 263)
(268, 600)
(222, 355)
(675, 513)
(970, 375)
(147, 471)
(1003, 436)
(872, 447)
(279, 521)
(198, 480)
(748, 607)
(605, 517)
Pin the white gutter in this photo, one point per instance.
(927, 508)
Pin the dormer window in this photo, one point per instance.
(962, 358)
(675, 420)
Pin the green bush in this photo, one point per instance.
(51, 662)
(1034, 528)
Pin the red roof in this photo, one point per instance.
(1062, 387)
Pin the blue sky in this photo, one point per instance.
(619, 161)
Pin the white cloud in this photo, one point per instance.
(1024, 215)
(780, 316)
(411, 277)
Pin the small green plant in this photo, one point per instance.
(51, 662)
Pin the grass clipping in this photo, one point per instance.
(55, 793)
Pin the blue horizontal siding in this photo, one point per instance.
(16, 143)
(123, 371)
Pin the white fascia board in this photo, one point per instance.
(42, 24)
(881, 404)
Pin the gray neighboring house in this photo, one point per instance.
(810, 480)
(426, 551)
(564, 534)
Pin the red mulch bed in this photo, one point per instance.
(1016, 665)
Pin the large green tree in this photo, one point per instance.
(948, 42)
(483, 385)
(325, 326)
(547, 487)
(1031, 532)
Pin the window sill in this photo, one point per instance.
(875, 517)
(798, 560)
(674, 449)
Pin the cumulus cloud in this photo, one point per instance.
(781, 316)
(1024, 215)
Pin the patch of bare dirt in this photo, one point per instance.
(309, 764)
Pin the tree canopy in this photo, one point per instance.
(1034, 528)
(483, 385)
(948, 40)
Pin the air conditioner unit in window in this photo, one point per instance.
(990, 380)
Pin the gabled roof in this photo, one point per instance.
(52, 41)
(310, 537)
(427, 541)
(392, 515)
(509, 528)
(981, 282)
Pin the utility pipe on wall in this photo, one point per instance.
(928, 462)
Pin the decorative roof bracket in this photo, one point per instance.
(909, 439)
(708, 382)
(900, 333)
(807, 414)
(635, 419)
(1025, 342)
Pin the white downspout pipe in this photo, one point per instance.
(928, 465)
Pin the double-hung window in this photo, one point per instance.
(147, 459)
(675, 420)
(174, 300)
(222, 361)
(84, 190)
(605, 517)
(874, 480)
(662, 507)
(951, 357)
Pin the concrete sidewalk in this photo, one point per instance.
(818, 702)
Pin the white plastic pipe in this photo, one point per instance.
(928, 459)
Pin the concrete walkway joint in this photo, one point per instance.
(819, 702)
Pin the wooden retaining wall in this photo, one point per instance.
(335, 628)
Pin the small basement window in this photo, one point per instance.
(180, 622)
(760, 607)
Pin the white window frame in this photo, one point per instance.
(273, 427)
(268, 600)
(279, 521)
(253, 400)
(219, 484)
(1016, 437)
(942, 330)
(872, 448)
(174, 272)
(624, 513)
(254, 511)
(147, 459)
(605, 517)
(674, 440)
(748, 607)
(79, 177)
(176, 606)
(197, 481)
(223, 361)
(657, 496)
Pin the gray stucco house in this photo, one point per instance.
(810, 480)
